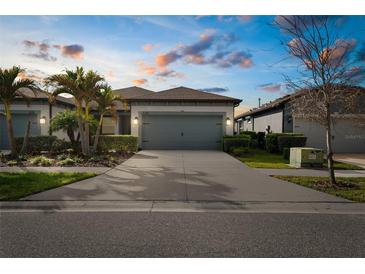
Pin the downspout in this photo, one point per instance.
(50, 114)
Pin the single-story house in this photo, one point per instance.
(177, 118)
(276, 116)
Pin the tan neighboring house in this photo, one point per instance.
(178, 118)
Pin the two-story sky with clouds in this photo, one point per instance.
(238, 56)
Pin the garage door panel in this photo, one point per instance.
(181, 131)
(20, 121)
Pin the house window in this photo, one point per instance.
(108, 125)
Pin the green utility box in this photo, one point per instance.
(306, 157)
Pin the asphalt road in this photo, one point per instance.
(137, 234)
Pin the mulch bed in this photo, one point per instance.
(100, 160)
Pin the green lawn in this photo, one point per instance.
(14, 186)
(258, 158)
(348, 188)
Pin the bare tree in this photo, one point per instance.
(326, 71)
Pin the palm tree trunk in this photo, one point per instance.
(87, 130)
(26, 139)
(71, 135)
(331, 170)
(81, 128)
(96, 140)
(9, 122)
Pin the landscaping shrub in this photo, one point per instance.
(271, 141)
(291, 141)
(261, 140)
(36, 144)
(119, 143)
(67, 162)
(240, 151)
(252, 134)
(229, 142)
(286, 153)
(60, 146)
(41, 161)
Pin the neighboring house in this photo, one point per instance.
(39, 112)
(178, 118)
(348, 133)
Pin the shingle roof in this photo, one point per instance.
(42, 96)
(132, 92)
(183, 94)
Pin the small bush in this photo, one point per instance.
(286, 153)
(60, 146)
(41, 161)
(271, 139)
(119, 143)
(67, 162)
(291, 141)
(252, 134)
(12, 162)
(229, 142)
(36, 143)
(240, 151)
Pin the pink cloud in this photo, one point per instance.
(139, 82)
(271, 88)
(162, 60)
(110, 75)
(146, 69)
(73, 51)
(244, 18)
(148, 47)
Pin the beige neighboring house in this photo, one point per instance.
(348, 133)
(177, 118)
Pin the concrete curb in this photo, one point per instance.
(310, 172)
(179, 206)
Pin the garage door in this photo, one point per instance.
(20, 121)
(185, 131)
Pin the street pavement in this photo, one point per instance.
(173, 234)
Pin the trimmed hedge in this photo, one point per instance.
(271, 141)
(36, 144)
(261, 139)
(286, 153)
(252, 134)
(60, 146)
(291, 141)
(119, 143)
(230, 142)
(240, 151)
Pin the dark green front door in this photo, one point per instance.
(181, 131)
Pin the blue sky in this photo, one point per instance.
(238, 56)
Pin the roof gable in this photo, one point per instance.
(132, 92)
(183, 94)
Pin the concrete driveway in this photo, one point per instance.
(183, 176)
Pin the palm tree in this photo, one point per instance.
(12, 87)
(83, 87)
(106, 101)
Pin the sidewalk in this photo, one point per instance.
(310, 172)
(96, 170)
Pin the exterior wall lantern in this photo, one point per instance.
(42, 120)
(228, 121)
(135, 121)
